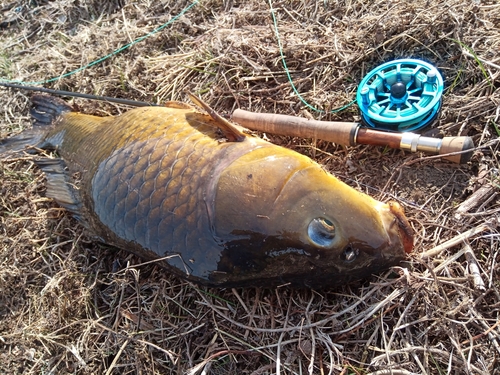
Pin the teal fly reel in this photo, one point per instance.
(401, 95)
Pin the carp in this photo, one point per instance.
(207, 200)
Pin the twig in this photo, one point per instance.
(486, 192)
(117, 356)
(467, 53)
(454, 241)
(482, 334)
(392, 372)
(202, 364)
(474, 268)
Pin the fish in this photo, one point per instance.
(208, 200)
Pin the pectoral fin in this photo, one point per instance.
(59, 186)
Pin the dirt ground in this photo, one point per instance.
(70, 305)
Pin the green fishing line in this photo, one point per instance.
(287, 71)
(140, 39)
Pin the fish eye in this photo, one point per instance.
(321, 231)
(350, 254)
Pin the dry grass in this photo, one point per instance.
(70, 305)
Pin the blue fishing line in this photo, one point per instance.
(287, 71)
(140, 39)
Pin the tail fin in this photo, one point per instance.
(30, 137)
(45, 110)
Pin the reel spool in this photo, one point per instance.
(401, 95)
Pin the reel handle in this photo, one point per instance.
(351, 133)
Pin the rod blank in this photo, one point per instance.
(134, 103)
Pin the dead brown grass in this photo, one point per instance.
(69, 305)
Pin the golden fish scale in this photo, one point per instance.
(146, 175)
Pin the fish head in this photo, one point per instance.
(284, 219)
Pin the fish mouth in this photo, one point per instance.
(405, 231)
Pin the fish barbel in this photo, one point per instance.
(162, 183)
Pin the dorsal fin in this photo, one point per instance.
(231, 131)
(178, 105)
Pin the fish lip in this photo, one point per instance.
(404, 228)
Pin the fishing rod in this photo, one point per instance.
(455, 149)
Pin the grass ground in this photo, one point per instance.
(71, 305)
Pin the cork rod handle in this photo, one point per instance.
(337, 132)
